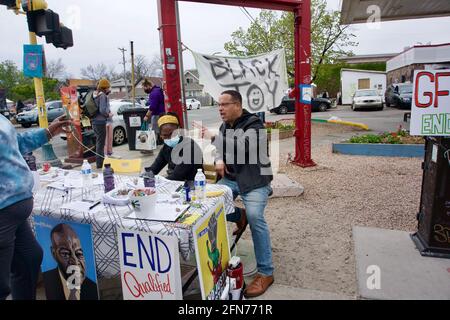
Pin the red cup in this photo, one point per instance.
(46, 167)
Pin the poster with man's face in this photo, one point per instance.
(68, 266)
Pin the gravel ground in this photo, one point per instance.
(312, 234)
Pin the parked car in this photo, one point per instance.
(119, 129)
(399, 95)
(367, 99)
(288, 105)
(28, 118)
(193, 104)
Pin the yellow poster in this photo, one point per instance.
(212, 252)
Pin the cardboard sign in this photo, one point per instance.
(261, 80)
(430, 111)
(149, 266)
(212, 252)
(68, 267)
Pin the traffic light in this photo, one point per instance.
(11, 4)
(34, 5)
(43, 22)
(62, 39)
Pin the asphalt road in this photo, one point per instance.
(388, 119)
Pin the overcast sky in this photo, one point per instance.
(100, 27)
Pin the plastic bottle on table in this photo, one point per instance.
(149, 178)
(86, 175)
(108, 178)
(200, 185)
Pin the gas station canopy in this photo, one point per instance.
(358, 11)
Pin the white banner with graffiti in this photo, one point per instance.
(261, 80)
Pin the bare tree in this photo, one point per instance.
(56, 70)
(99, 71)
(143, 68)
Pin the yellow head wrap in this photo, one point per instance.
(168, 119)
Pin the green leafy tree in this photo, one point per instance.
(271, 31)
(21, 88)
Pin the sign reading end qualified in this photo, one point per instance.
(430, 113)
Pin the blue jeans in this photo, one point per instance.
(255, 202)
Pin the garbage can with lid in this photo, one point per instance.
(133, 119)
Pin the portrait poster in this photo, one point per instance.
(149, 266)
(212, 252)
(68, 266)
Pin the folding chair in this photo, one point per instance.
(210, 173)
(124, 165)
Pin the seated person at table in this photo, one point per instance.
(182, 154)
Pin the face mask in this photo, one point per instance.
(172, 142)
(148, 90)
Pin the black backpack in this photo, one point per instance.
(90, 108)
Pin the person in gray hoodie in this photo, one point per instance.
(100, 119)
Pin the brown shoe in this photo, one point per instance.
(241, 224)
(258, 286)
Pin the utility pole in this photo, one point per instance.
(124, 70)
(133, 87)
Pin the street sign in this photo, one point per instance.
(430, 108)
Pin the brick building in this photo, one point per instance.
(401, 68)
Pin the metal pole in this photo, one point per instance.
(133, 87)
(302, 40)
(169, 53)
(124, 70)
(180, 58)
(48, 154)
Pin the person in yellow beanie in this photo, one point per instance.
(101, 119)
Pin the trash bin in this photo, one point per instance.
(133, 120)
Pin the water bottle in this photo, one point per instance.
(86, 175)
(31, 161)
(108, 178)
(149, 178)
(200, 185)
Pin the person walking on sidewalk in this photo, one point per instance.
(100, 119)
(243, 164)
(156, 106)
(20, 253)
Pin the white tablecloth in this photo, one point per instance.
(105, 218)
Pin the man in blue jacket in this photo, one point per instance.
(20, 254)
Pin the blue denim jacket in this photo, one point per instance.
(16, 180)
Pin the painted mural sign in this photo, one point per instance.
(430, 111)
(149, 266)
(261, 80)
(212, 252)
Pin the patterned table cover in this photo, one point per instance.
(104, 218)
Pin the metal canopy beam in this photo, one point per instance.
(361, 11)
(286, 5)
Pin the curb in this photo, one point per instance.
(346, 123)
(380, 150)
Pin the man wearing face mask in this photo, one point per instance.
(182, 154)
(100, 119)
(68, 281)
